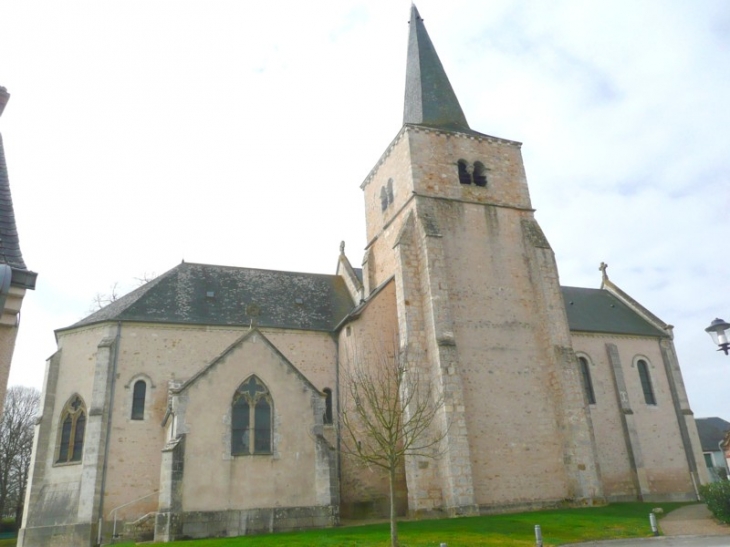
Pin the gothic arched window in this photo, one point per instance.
(251, 419)
(587, 382)
(73, 426)
(138, 396)
(646, 386)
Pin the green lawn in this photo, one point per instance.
(619, 520)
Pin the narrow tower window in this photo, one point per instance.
(327, 418)
(383, 199)
(646, 386)
(464, 176)
(389, 191)
(251, 419)
(73, 427)
(138, 397)
(480, 174)
(587, 383)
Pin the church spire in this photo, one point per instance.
(9, 243)
(430, 100)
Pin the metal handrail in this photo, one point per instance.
(114, 511)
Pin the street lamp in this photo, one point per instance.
(717, 331)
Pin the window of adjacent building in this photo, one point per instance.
(251, 419)
(73, 426)
(646, 386)
(138, 396)
(585, 372)
(708, 460)
(327, 418)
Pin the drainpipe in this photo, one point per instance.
(108, 431)
(337, 422)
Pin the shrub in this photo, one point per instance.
(717, 497)
(8, 525)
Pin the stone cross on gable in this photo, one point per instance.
(603, 267)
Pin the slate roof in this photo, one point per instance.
(222, 295)
(204, 294)
(597, 310)
(9, 243)
(711, 431)
(429, 99)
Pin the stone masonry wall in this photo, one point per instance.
(650, 436)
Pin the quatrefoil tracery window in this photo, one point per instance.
(251, 418)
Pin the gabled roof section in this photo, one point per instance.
(429, 99)
(203, 294)
(238, 343)
(712, 432)
(9, 242)
(597, 310)
(615, 290)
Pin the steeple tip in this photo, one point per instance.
(429, 99)
(4, 97)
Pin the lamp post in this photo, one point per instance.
(716, 330)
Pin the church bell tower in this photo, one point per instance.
(449, 217)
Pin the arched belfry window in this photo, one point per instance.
(585, 372)
(383, 199)
(139, 392)
(464, 175)
(251, 418)
(645, 378)
(386, 195)
(389, 191)
(73, 427)
(480, 174)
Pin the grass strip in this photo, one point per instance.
(559, 527)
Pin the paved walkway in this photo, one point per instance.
(689, 526)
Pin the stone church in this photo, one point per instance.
(206, 402)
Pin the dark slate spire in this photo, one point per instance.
(430, 99)
(9, 243)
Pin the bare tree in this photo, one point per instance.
(145, 278)
(102, 300)
(388, 409)
(16, 444)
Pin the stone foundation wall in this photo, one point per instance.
(71, 535)
(201, 524)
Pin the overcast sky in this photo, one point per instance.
(142, 133)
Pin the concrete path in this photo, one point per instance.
(689, 526)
